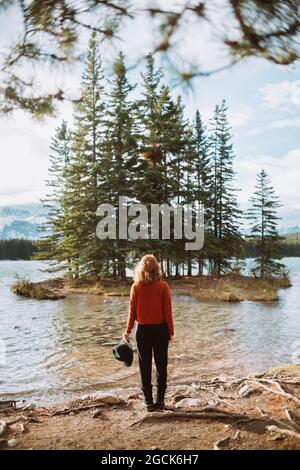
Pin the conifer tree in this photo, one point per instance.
(121, 160)
(203, 176)
(85, 171)
(151, 187)
(263, 219)
(149, 115)
(173, 138)
(16, 249)
(176, 171)
(226, 240)
(163, 129)
(188, 155)
(144, 149)
(50, 245)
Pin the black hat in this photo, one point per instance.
(123, 352)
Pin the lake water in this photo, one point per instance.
(52, 350)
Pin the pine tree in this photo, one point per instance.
(263, 219)
(149, 152)
(176, 171)
(163, 139)
(173, 138)
(203, 181)
(226, 241)
(189, 183)
(151, 185)
(149, 115)
(50, 245)
(121, 160)
(84, 172)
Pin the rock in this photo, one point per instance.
(12, 442)
(178, 398)
(2, 427)
(189, 403)
(223, 441)
(109, 399)
(246, 390)
(286, 370)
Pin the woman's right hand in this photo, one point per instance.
(172, 338)
(125, 336)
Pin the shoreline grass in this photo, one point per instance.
(227, 288)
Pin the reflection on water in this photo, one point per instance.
(58, 348)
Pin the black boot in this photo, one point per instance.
(160, 399)
(148, 399)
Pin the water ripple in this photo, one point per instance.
(57, 348)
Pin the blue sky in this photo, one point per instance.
(264, 111)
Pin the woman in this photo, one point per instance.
(150, 305)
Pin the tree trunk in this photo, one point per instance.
(168, 268)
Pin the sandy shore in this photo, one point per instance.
(260, 411)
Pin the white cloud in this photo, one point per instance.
(24, 158)
(285, 123)
(276, 124)
(281, 95)
(240, 117)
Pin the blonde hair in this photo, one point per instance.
(148, 270)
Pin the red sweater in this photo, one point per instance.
(150, 303)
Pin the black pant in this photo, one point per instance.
(153, 337)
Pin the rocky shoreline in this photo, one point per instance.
(230, 288)
(259, 411)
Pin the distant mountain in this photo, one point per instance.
(21, 221)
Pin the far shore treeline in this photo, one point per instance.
(134, 140)
(16, 249)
